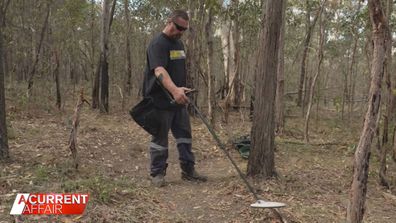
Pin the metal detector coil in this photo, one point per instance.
(267, 204)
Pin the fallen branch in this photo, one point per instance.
(76, 122)
(300, 142)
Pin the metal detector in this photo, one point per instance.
(260, 203)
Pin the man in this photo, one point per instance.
(166, 64)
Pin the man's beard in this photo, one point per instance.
(177, 36)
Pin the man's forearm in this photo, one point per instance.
(164, 78)
(178, 93)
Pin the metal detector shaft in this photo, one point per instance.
(222, 147)
(259, 203)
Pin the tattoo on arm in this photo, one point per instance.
(160, 77)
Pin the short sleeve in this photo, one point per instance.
(157, 54)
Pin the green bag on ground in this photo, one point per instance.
(242, 144)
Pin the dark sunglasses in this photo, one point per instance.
(179, 27)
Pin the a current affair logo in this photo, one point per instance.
(46, 204)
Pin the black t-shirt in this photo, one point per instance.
(168, 53)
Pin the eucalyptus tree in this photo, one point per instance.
(280, 83)
(261, 160)
(3, 124)
(388, 118)
(322, 39)
(211, 4)
(358, 190)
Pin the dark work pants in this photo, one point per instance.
(178, 122)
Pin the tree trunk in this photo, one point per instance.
(229, 66)
(57, 83)
(225, 45)
(351, 79)
(192, 63)
(388, 117)
(358, 191)
(261, 160)
(318, 96)
(227, 100)
(37, 54)
(210, 67)
(230, 38)
(312, 86)
(128, 64)
(3, 124)
(233, 94)
(280, 89)
(54, 59)
(344, 95)
(95, 88)
(307, 92)
(305, 52)
(231, 59)
(391, 110)
(257, 62)
(92, 25)
(104, 65)
(235, 33)
(95, 74)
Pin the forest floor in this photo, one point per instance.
(314, 179)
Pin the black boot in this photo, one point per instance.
(194, 176)
(190, 174)
(158, 180)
